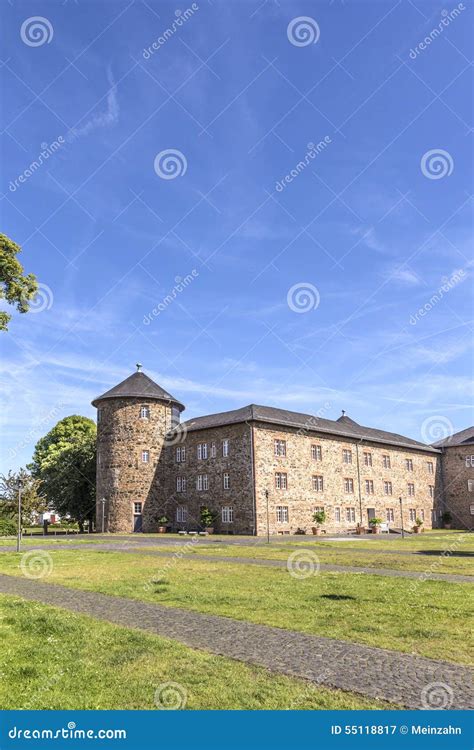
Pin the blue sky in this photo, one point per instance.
(303, 295)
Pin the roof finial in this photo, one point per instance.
(343, 413)
(139, 366)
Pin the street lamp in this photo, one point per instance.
(268, 519)
(19, 485)
(401, 516)
(103, 501)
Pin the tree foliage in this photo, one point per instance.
(64, 461)
(16, 287)
(31, 498)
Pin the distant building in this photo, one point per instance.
(457, 473)
(257, 468)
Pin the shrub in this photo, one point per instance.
(375, 521)
(319, 517)
(7, 527)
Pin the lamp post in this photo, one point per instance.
(19, 485)
(103, 501)
(401, 516)
(268, 518)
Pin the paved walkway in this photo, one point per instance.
(376, 673)
(328, 567)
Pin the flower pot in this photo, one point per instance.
(416, 529)
(375, 529)
(210, 529)
(316, 530)
(360, 530)
(161, 529)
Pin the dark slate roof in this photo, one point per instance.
(464, 437)
(344, 426)
(139, 385)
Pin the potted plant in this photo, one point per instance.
(319, 518)
(417, 526)
(207, 520)
(162, 525)
(374, 523)
(447, 518)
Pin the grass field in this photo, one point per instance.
(51, 659)
(429, 618)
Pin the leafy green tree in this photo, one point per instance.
(64, 461)
(16, 287)
(31, 499)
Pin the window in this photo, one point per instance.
(226, 481)
(213, 450)
(225, 448)
(348, 485)
(411, 489)
(318, 483)
(175, 416)
(227, 514)
(180, 484)
(470, 485)
(202, 482)
(386, 461)
(369, 487)
(389, 515)
(280, 447)
(181, 514)
(144, 412)
(318, 509)
(350, 515)
(99, 417)
(145, 457)
(316, 453)
(387, 488)
(412, 512)
(409, 464)
(137, 508)
(282, 513)
(281, 481)
(431, 490)
(469, 461)
(421, 514)
(180, 454)
(430, 467)
(368, 459)
(337, 515)
(98, 458)
(347, 456)
(202, 451)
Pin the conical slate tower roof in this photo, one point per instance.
(139, 385)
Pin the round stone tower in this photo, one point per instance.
(133, 419)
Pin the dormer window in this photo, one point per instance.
(144, 412)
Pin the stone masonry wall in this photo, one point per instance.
(458, 468)
(300, 498)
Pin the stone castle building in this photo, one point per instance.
(260, 469)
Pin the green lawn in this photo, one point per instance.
(52, 659)
(429, 618)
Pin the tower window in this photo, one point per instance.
(144, 412)
(99, 415)
(145, 457)
(137, 509)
